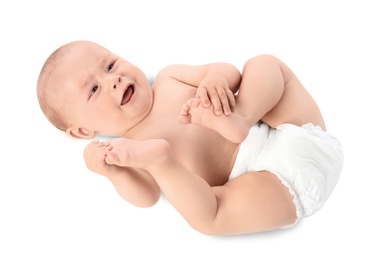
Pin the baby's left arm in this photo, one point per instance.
(216, 83)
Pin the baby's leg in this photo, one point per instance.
(252, 202)
(269, 91)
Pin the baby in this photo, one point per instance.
(234, 152)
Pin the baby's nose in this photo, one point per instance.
(118, 81)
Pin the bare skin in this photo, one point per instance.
(281, 84)
(181, 136)
(227, 208)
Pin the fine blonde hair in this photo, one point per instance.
(48, 92)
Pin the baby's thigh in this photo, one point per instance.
(254, 202)
(296, 107)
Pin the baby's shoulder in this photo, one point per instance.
(165, 78)
(167, 71)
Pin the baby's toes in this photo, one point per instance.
(184, 119)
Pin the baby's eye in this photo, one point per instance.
(94, 89)
(110, 66)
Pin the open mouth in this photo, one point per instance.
(128, 94)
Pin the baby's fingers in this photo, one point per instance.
(223, 101)
(203, 96)
(231, 102)
(96, 147)
(227, 101)
(111, 158)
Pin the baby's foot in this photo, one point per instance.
(141, 154)
(232, 127)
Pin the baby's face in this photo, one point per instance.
(103, 92)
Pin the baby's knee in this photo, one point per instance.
(261, 60)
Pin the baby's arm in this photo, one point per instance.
(134, 185)
(216, 83)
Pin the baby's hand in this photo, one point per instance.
(216, 91)
(94, 156)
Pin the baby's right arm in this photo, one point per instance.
(136, 186)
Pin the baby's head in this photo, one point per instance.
(48, 89)
(84, 90)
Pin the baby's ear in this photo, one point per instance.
(80, 133)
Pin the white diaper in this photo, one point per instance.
(306, 159)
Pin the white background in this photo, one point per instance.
(52, 207)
